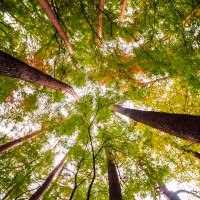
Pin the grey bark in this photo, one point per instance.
(183, 126)
(12, 67)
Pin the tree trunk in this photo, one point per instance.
(194, 153)
(52, 17)
(190, 15)
(12, 67)
(100, 18)
(17, 142)
(180, 125)
(169, 194)
(114, 185)
(121, 19)
(48, 181)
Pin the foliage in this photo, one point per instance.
(150, 62)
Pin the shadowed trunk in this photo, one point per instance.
(185, 149)
(194, 153)
(169, 194)
(180, 125)
(17, 142)
(37, 195)
(52, 17)
(114, 185)
(12, 67)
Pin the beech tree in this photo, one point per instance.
(48, 181)
(141, 54)
(15, 68)
(17, 142)
(169, 194)
(114, 185)
(184, 126)
(47, 9)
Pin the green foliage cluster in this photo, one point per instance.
(149, 62)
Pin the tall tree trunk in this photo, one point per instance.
(48, 181)
(169, 194)
(190, 14)
(114, 185)
(180, 125)
(194, 153)
(121, 19)
(100, 18)
(185, 150)
(152, 82)
(17, 142)
(52, 17)
(12, 67)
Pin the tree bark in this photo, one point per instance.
(121, 19)
(12, 67)
(17, 142)
(183, 126)
(169, 194)
(193, 153)
(48, 181)
(190, 15)
(114, 185)
(100, 18)
(52, 17)
(152, 82)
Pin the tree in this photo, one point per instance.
(169, 194)
(180, 125)
(114, 185)
(48, 181)
(146, 58)
(47, 9)
(15, 68)
(17, 142)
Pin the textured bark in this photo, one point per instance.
(114, 185)
(17, 142)
(100, 18)
(12, 67)
(52, 17)
(121, 19)
(183, 126)
(169, 194)
(37, 195)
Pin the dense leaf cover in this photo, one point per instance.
(149, 61)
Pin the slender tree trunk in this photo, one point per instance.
(52, 17)
(17, 142)
(152, 82)
(100, 18)
(48, 181)
(121, 19)
(114, 185)
(169, 194)
(180, 125)
(190, 15)
(12, 67)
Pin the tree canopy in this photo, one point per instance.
(142, 55)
